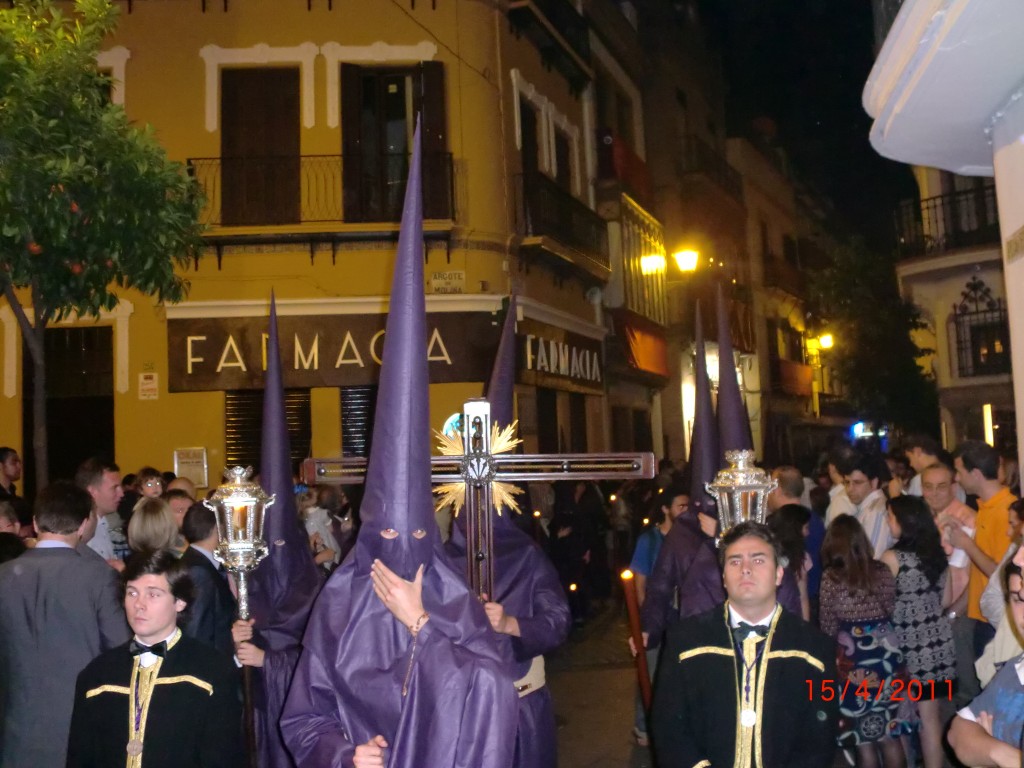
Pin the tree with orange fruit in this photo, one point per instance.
(89, 202)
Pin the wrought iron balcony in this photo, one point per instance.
(619, 168)
(260, 191)
(699, 157)
(982, 332)
(561, 224)
(944, 223)
(559, 32)
(792, 378)
(783, 276)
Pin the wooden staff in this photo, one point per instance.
(643, 676)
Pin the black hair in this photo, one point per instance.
(668, 495)
(919, 535)
(742, 531)
(1010, 569)
(981, 456)
(787, 523)
(926, 443)
(869, 464)
(5, 453)
(161, 562)
(842, 457)
(61, 508)
(199, 522)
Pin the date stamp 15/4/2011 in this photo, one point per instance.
(891, 689)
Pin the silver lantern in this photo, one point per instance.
(239, 505)
(741, 490)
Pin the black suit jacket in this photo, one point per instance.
(696, 697)
(213, 608)
(194, 717)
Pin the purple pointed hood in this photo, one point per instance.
(397, 511)
(733, 422)
(704, 456)
(501, 388)
(283, 588)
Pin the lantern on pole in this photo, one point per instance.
(239, 505)
(741, 490)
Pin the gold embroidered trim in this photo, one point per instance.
(706, 649)
(702, 764)
(174, 639)
(108, 689)
(818, 665)
(146, 678)
(760, 685)
(186, 679)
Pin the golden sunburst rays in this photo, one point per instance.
(454, 494)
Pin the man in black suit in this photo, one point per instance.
(195, 719)
(214, 608)
(59, 609)
(774, 714)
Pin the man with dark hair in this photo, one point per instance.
(196, 718)
(102, 479)
(922, 451)
(788, 493)
(977, 471)
(10, 473)
(774, 712)
(840, 461)
(214, 608)
(862, 481)
(58, 610)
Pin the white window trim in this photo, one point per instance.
(376, 53)
(116, 60)
(548, 119)
(119, 317)
(216, 58)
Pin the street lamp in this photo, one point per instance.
(825, 341)
(686, 260)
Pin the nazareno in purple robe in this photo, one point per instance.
(461, 708)
(527, 586)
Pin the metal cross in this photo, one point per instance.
(478, 468)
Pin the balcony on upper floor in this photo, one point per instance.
(700, 161)
(791, 377)
(559, 228)
(781, 275)
(317, 190)
(980, 329)
(560, 33)
(954, 221)
(619, 170)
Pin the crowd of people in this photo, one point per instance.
(902, 567)
(905, 561)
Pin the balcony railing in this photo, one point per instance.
(780, 274)
(947, 222)
(258, 191)
(982, 336)
(546, 210)
(792, 378)
(700, 157)
(559, 32)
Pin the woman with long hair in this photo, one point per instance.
(858, 595)
(153, 526)
(923, 591)
(790, 524)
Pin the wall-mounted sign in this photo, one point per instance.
(191, 463)
(227, 353)
(149, 386)
(448, 281)
(558, 359)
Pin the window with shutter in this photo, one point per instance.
(260, 162)
(243, 419)
(379, 106)
(357, 408)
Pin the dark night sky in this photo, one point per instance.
(804, 64)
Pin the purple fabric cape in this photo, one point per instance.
(461, 706)
(526, 582)
(283, 588)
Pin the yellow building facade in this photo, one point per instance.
(296, 119)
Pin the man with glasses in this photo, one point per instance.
(861, 484)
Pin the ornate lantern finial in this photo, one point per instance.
(741, 490)
(239, 505)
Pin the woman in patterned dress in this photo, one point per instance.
(858, 594)
(923, 591)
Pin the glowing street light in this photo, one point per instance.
(686, 260)
(825, 341)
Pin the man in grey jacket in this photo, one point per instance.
(58, 610)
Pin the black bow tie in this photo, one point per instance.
(742, 630)
(136, 648)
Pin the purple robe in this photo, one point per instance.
(459, 709)
(527, 586)
(461, 705)
(687, 563)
